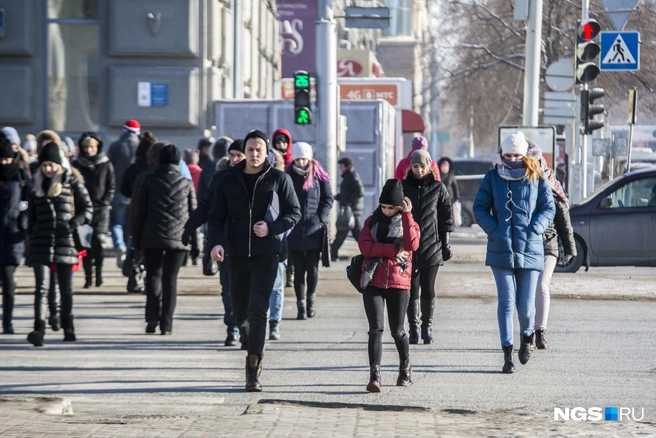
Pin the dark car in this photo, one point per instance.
(616, 225)
(469, 174)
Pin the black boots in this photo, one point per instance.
(36, 336)
(374, 379)
(252, 373)
(405, 371)
(274, 330)
(69, 330)
(414, 321)
(231, 340)
(508, 365)
(540, 340)
(427, 309)
(311, 310)
(99, 277)
(53, 322)
(525, 348)
(301, 309)
(289, 275)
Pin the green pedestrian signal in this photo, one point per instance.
(302, 100)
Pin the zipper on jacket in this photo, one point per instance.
(250, 213)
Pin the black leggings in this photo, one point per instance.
(162, 267)
(95, 254)
(397, 305)
(424, 278)
(43, 277)
(8, 293)
(306, 262)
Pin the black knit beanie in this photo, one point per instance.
(257, 134)
(6, 149)
(237, 145)
(170, 154)
(392, 193)
(50, 152)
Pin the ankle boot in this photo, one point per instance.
(508, 365)
(405, 373)
(252, 373)
(374, 379)
(69, 329)
(54, 323)
(87, 264)
(88, 281)
(274, 330)
(289, 275)
(427, 308)
(99, 278)
(525, 348)
(36, 336)
(301, 309)
(414, 321)
(311, 310)
(540, 340)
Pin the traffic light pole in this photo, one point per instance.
(533, 50)
(326, 62)
(585, 15)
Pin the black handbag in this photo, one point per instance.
(345, 219)
(210, 267)
(136, 280)
(354, 272)
(325, 246)
(82, 237)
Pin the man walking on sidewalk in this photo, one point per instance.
(252, 207)
(351, 194)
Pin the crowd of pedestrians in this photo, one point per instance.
(262, 205)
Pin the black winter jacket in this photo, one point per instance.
(165, 200)
(233, 214)
(99, 180)
(559, 227)
(449, 180)
(13, 222)
(53, 216)
(121, 154)
(130, 177)
(351, 191)
(315, 208)
(431, 209)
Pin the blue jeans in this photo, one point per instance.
(228, 316)
(118, 217)
(277, 295)
(515, 287)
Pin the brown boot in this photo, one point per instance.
(374, 379)
(405, 372)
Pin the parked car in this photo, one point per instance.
(469, 174)
(616, 225)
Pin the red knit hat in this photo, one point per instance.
(132, 126)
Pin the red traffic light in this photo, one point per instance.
(588, 30)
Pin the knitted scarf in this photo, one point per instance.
(395, 236)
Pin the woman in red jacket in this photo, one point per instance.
(387, 240)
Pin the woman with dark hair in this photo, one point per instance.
(140, 164)
(100, 182)
(165, 200)
(514, 207)
(14, 193)
(387, 241)
(431, 209)
(58, 204)
(312, 187)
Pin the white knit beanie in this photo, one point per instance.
(514, 144)
(301, 150)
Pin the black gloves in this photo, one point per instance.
(446, 248)
(186, 236)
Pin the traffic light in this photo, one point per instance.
(589, 109)
(587, 50)
(302, 102)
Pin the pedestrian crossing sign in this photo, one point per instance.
(620, 51)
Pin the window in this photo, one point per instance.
(640, 193)
(73, 65)
(401, 22)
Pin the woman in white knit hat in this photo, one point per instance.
(514, 206)
(312, 187)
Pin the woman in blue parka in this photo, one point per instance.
(514, 206)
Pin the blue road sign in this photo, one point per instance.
(159, 94)
(620, 51)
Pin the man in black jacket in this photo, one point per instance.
(351, 194)
(252, 207)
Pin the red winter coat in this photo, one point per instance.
(388, 275)
(404, 165)
(287, 155)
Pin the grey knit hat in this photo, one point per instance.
(420, 156)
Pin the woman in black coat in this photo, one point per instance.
(98, 174)
(58, 204)
(166, 199)
(431, 209)
(14, 193)
(312, 187)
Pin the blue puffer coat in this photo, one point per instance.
(514, 239)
